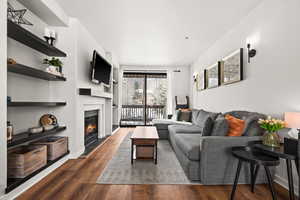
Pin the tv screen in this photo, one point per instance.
(101, 69)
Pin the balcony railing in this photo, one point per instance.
(135, 115)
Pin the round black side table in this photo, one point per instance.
(288, 152)
(256, 159)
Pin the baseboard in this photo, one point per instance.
(77, 154)
(284, 183)
(34, 180)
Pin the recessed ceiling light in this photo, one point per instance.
(187, 37)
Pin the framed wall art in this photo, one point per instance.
(232, 67)
(201, 81)
(212, 75)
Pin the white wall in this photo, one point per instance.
(3, 76)
(86, 44)
(79, 45)
(272, 81)
(178, 82)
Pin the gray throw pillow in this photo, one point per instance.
(220, 127)
(185, 116)
(252, 128)
(176, 115)
(207, 126)
(195, 114)
(203, 115)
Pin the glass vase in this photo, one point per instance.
(271, 139)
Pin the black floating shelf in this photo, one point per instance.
(26, 137)
(13, 183)
(32, 72)
(34, 104)
(27, 38)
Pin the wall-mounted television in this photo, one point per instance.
(101, 69)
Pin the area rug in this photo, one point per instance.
(167, 171)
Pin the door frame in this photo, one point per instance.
(145, 74)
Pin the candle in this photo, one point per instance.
(53, 34)
(47, 32)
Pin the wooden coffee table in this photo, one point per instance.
(144, 139)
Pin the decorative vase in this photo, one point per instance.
(54, 70)
(271, 139)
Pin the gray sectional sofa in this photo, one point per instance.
(204, 150)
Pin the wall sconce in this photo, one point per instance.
(251, 52)
(195, 77)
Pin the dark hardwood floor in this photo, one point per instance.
(76, 179)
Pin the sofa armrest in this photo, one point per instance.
(170, 122)
(217, 163)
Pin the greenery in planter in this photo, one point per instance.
(54, 62)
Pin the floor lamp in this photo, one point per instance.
(292, 120)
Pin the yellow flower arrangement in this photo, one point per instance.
(271, 125)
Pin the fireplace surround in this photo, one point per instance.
(91, 127)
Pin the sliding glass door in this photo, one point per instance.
(156, 97)
(133, 100)
(144, 97)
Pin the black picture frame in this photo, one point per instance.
(232, 67)
(201, 81)
(213, 72)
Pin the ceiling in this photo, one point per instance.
(154, 32)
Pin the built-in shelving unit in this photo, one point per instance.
(26, 137)
(32, 72)
(34, 104)
(27, 38)
(12, 183)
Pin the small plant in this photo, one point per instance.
(54, 62)
(271, 125)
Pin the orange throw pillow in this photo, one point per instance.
(236, 126)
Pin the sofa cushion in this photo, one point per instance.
(175, 116)
(203, 115)
(195, 113)
(178, 129)
(206, 126)
(169, 122)
(213, 115)
(205, 121)
(189, 144)
(162, 126)
(185, 115)
(220, 127)
(252, 128)
(236, 126)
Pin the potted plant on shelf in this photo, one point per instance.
(54, 65)
(272, 126)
